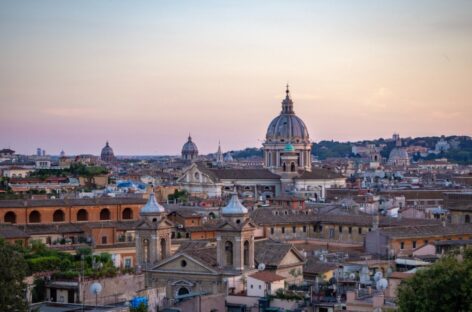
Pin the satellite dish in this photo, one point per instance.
(378, 276)
(382, 284)
(352, 276)
(96, 288)
(261, 267)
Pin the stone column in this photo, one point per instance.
(237, 252)
(139, 249)
(219, 251)
(251, 253)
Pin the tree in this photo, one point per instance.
(12, 273)
(444, 286)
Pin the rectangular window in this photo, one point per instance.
(426, 242)
(359, 230)
(271, 230)
(104, 240)
(340, 229)
(414, 244)
(127, 263)
(402, 245)
(304, 229)
(294, 229)
(283, 230)
(350, 230)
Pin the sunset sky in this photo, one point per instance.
(143, 74)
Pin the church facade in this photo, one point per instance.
(287, 167)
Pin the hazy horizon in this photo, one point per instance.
(143, 74)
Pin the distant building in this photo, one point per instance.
(107, 154)
(398, 156)
(442, 146)
(189, 150)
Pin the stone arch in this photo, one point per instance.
(82, 215)
(34, 217)
(229, 253)
(58, 216)
(9, 217)
(105, 214)
(127, 214)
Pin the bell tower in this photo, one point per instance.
(235, 237)
(153, 234)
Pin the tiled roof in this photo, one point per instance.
(271, 253)
(18, 203)
(267, 276)
(204, 255)
(11, 231)
(319, 174)
(273, 216)
(427, 231)
(314, 266)
(242, 174)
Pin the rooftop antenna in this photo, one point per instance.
(95, 289)
(382, 284)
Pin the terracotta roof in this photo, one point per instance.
(271, 253)
(315, 266)
(204, 255)
(427, 231)
(401, 275)
(319, 174)
(267, 276)
(18, 203)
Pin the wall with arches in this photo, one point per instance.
(50, 214)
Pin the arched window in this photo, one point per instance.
(127, 214)
(246, 253)
(105, 214)
(10, 217)
(82, 215)
(229, 253)
(292, 167)
(58, 216)
(467, 219)
(163, 248)
(183, 291)
(34, 217)
(284, 166)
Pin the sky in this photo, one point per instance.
(145, 74)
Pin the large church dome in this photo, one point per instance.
(189, 150)
(287, 127)
(107, 153)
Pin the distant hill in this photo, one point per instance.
(460, 151)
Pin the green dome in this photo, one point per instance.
(289, 148)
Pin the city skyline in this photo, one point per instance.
(143, 76)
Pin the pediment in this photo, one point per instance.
(174, 264)
(183, 283)
(291, 257)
